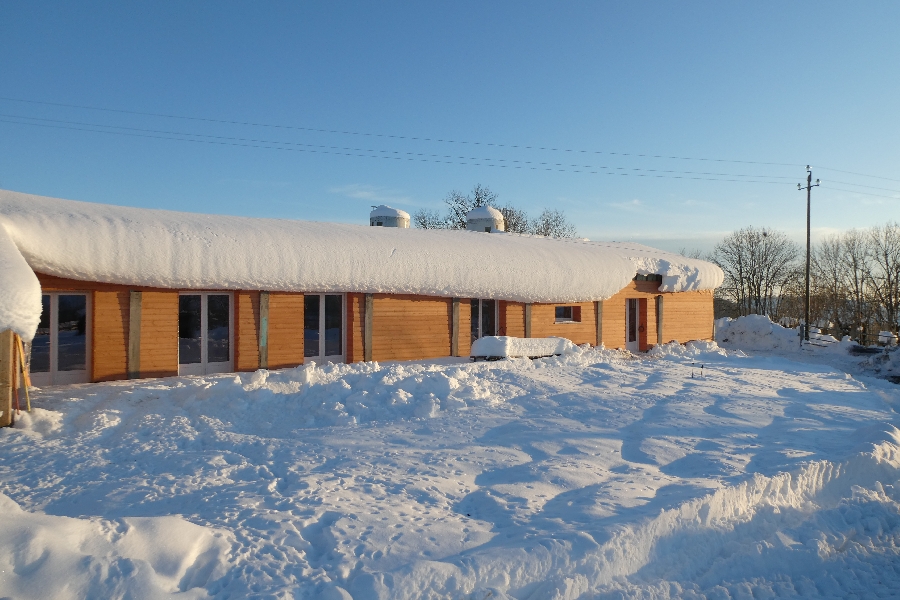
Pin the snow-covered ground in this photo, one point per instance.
(592, 475)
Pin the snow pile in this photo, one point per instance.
(47, 556)
(513, 347)
(20, 291)
(758, 332)
(597, 473)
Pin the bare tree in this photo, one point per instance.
(514, 219)
(885, 276)
(758, 265)
(553, 223)
(429, 219)
(857, 268)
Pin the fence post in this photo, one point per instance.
(7, 377)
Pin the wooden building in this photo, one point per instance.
(96, 326)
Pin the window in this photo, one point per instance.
(59, 350)
(323, 326)
(652, 277)
(484, 318)
(204, 333)
(568, 314)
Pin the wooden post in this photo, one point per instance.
(454, 328)
(659, 320)
(134, 336)
(528, 320)
(263, 330)
(598, 311)
(367, 329)
(7, 377)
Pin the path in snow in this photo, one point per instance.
(579, 476)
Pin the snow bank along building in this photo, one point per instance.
(106, 292)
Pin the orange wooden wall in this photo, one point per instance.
(464, 341)
(285, 330)
(614, 313)
(159, 334)
(411, 327)
(246, 331)
(109, 323)
(688, 316)
(356, 323)
(543, 323)
(512, 319)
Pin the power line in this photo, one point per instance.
(855, 173)
(391, 136)
(419, 157)
(871, 187)
(369, 150)
(825, 186)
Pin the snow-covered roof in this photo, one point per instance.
(484, 212)
(388, 211)
(158, 248)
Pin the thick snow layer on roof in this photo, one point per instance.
(20, 291)
(145, 247)
(388, 211)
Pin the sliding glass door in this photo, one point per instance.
(484, 318)
(323, 327)
(205, 324)
(60, 348)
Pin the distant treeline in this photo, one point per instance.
(854, 279)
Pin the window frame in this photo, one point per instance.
(574, 314)
(321, 356)
(53, 376)
(204, 367)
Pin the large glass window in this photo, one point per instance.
(59, 350)
(484, 318)
(204, 333)
(323, 326)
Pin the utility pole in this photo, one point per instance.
(809, 187)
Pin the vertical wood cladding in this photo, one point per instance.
(543, 322)
(410, 327)
(355, 327)
(246, 331)
(285, 330)
(109, 334)
(159, 334)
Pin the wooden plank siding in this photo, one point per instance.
(246, 331)
(355, 327)
(688, 316)
(406, 327)
(543, 323)
(464, 342)
(159, 334)
(110, 323)
(285, 330)
(512, 319)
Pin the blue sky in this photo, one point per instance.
(790, 83)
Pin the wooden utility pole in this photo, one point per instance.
(809, 187)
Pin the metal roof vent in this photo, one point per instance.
(485, 218)
(385, 216)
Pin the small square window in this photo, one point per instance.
(568, 314)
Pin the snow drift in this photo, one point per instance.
(20, 291)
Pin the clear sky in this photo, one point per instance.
(791, 83)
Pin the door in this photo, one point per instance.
(60, 348)
(484, 318)
(323, 327)
(632, 339)
(205, 324)
(636, 325)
